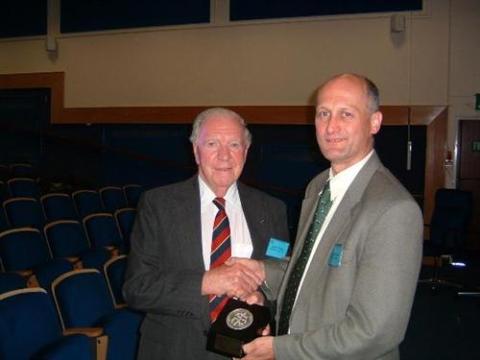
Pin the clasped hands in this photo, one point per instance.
(237, 277)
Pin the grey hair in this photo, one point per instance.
(218, 111)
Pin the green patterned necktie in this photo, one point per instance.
(323, 206)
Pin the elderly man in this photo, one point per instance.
(348, 289)
(185, 232)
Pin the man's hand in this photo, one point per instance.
(259, 349)
(233, 280)
(254, 265)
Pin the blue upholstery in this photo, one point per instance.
(58, 206)
(22, 170)
(4, 224)
(125, 219)
(113, 198)
(29, 329)
(87, 202)
(84, 300)
(48, 272)
(102, 230)
(11, 281)
(22, 249)
(23, 187)
(24, 211)
(114, 271)
(132, 193)
(67, 238)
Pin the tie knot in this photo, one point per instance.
(220, 203)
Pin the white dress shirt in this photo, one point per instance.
(240, 238)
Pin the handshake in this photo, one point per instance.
(237, 277)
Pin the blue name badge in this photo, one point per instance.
(277, 248)
(336, 255)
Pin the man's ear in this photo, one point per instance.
(194, 147)
(375, 122)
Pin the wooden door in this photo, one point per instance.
(468, 174)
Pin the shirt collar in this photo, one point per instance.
(207, 195)
(340, 182)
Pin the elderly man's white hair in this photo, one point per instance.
(218, 111)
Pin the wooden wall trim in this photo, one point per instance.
(434, 117)
(293, 115)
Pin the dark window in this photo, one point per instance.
(94, 15)
(23, 18)
(270, 9)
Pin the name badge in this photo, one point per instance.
(336, 255)
(277, 248)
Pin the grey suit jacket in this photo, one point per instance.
(360, 309)
(165, 265)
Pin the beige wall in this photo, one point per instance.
(434, 62)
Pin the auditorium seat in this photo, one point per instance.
(24, 211)
(87, 202)
(114, 272)
(58, 206)
(125, 219)
(23, 187)
(83, 300)
(22, 170)
(29, 329)
(67, 239)
(11, 281)
(132, 193)
(102, 231)
(113, 198)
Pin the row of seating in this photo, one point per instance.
(84, 301)
(108, 198)
(28, 211)
(18, 169)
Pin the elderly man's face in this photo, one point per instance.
(220, 152)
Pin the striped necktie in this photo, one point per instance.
(221, 250)
(323, 206)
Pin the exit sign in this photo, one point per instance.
(476, 146)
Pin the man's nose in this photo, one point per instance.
(223, 152)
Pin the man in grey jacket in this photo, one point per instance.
(347, 291)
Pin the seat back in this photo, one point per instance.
(102, 230)
(125, 219)
(66, 238)
(23, 187)
(132, 193)
(11, 281)
(58, 206)
(82, 298)
(451, 217)
(22, 170)
(87, 202)
(24, 211)
(113, 198)
(114, 271)
(22, 249)
(28, 322)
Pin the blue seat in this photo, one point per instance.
(23, 187)
(67, 239)
(102, 231)
(22, 170)
(87, 202)
(4, 224)
(11, 281)
(25, 251)
(113, 198)
(125, 219)
(24, 211)
(58, 206)
(132, 193)
(114, 272)
(4, 172)
(29, 329)
(83, 300)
